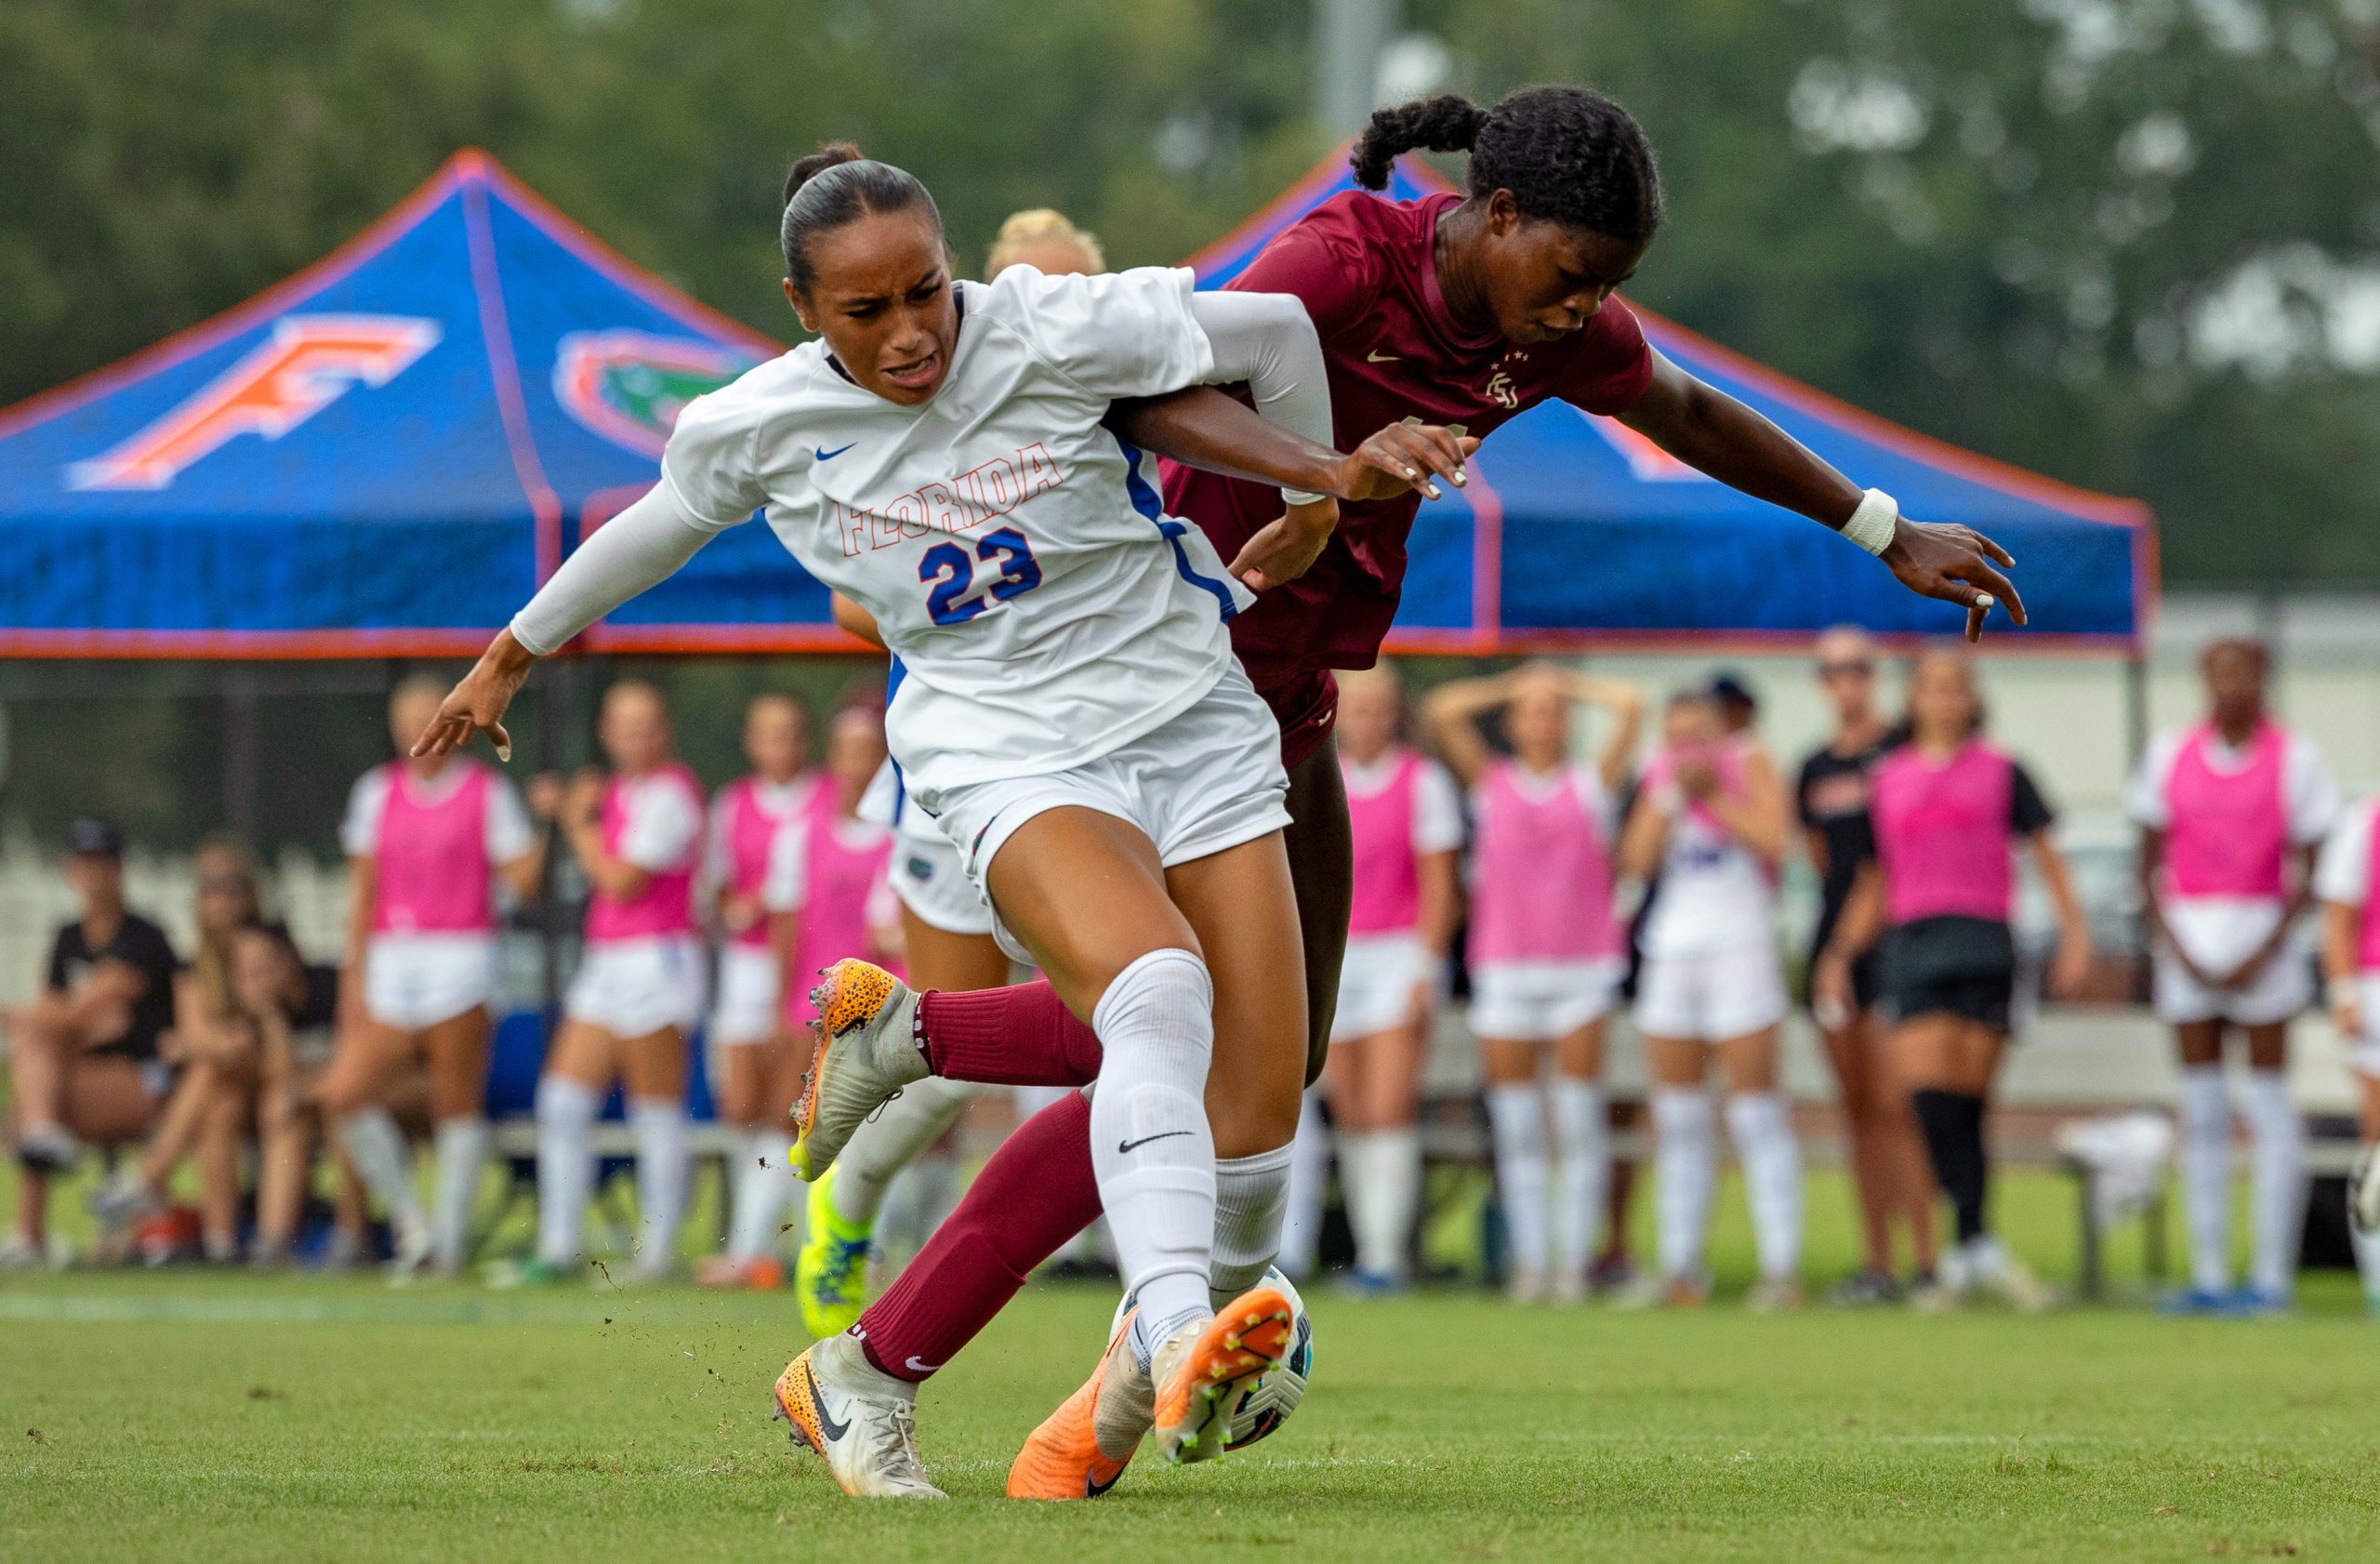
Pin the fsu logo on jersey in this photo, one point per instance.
(630, 386)
(307, 362)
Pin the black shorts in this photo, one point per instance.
(1964, 967)
(1866, 973)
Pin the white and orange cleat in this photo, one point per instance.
(1201, 1370)
(866, 1052)
(842, 1407)
(1081, 1450)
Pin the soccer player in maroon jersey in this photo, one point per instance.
(1460, 310)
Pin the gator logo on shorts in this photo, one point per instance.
(630, 386)
(921, 869)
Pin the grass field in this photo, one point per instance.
(181, 1415)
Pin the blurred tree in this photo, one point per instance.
(2132, 242)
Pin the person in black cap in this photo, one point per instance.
(82, 1056)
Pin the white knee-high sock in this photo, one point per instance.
(1684, 1165)
(763, 1178)
(1517, 1116)
(2366, 1252)
(1762, 1132)
(382, 1160)
(1150, 1144)
(566, 1110)
(894, 1137)
(2205, 1122)
(1582, 1139)
(1251, 1195)
(1309, 1177)
(2276, 1179)
(462, 1152)
(661, 1171)
(1384, 1185)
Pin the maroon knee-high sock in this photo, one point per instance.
(1019, 1036)
(1036, 1192)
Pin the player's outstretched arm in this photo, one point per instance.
(1713, 433)
(635, 552)
(1205, 428)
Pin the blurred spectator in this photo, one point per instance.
(293, 1008)
(1710, 819)
(638, 835)
(2347, 881)
(426, 839)
(1546, 953)
(1046, 240)
(758, 1051)
(83, 1054)
(2231, 813)
(214, 1047)
(1888, 1167)
(1950, 809)
(1406, 820)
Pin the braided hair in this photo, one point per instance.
(1569, 155)
(835, 186)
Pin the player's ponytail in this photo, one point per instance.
(835, 185)
(1448, 123)
(1568, 154)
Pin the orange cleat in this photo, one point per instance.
(1202, 1368)
(1081, 1450)
(864, 1053)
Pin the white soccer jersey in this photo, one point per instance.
(1013, 551)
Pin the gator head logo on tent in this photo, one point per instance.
(628, 386)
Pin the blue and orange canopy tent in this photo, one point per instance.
(384, 455)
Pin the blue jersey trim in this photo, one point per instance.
(900, 783)
(1144, 500)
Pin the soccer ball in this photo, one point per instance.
(1266, 1404)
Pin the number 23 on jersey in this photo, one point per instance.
(949, 572)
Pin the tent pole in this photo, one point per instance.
(553, 705)
(241, 741)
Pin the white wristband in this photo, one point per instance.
(1871, 524)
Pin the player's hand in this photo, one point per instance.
(738, 913)
(2239, 977)
(584, 799)
(478, 704)
(544, 795)
(2347, 1012)
(1830, 985)
(1954, 563)
(1696, 778)
(1405, 456)
(1286, 547)
(2071, 966)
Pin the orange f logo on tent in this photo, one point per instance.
(306, 364)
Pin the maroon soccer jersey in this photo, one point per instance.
(1366, 269)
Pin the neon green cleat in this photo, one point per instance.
(830, 1275)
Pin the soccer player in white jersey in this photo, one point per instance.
(946, 925)
(2231, 811)
(1068, 708)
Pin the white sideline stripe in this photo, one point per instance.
(588, 1308)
